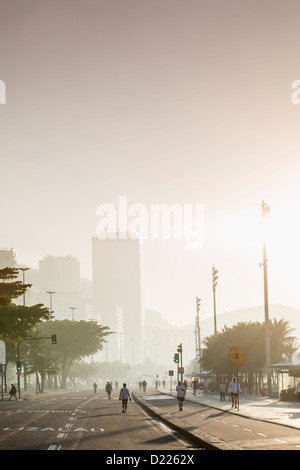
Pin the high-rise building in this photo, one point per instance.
(117, 295)
(61, 275)
(8, 258)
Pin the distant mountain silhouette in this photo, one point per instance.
(254, 314)
(185, 334)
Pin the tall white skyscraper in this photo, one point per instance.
(117, 295)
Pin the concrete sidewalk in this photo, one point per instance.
(255, 407)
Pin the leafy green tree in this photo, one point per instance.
(16, 321)
(75, 340)
(215, 355)
(36, 359)
(10, 289)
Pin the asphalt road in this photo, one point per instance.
(82, 420)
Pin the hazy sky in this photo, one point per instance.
(164, 101)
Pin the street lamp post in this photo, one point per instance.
(179, 349)
(72, 308)
(23, 270)
(214, 284)
(264, 211)
(197, 333)
(133, 338)
(50, 292)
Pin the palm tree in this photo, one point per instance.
(282, 342)
(250, 335)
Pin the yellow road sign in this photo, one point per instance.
(236, 356)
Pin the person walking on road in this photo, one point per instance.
(234, 389)
(108, 389)
(124, 395)
(95, 387)
(13, 392)
(180, 389)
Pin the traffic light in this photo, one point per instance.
(179, 349)
(19, 366)
(176, 358)
(53, 339)
(214, 277)
(198, 302)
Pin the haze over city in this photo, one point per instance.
(164, 102)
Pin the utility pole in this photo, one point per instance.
(264, 211)
(214, 284)
(23, 270)
(197, 334)
(72, 308)
(176, 360)
(25, 377)
(179, 349)
(51, 292)
(133, 338)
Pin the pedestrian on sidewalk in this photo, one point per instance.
(205, 386)
(234, 389)
(227, 386)
(297, 391)
(180, 389)
(222, 389)
(13, 392)
(95, 387)
(124, 395)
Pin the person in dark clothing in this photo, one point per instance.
(13, 392)
(108, 389)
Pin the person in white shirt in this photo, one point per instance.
(297, 390)
(124, 395)
(180, 389)
(234, 389)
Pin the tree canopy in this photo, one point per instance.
(75, 340)
(10, 289)
(17, 321)
(215, 355)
